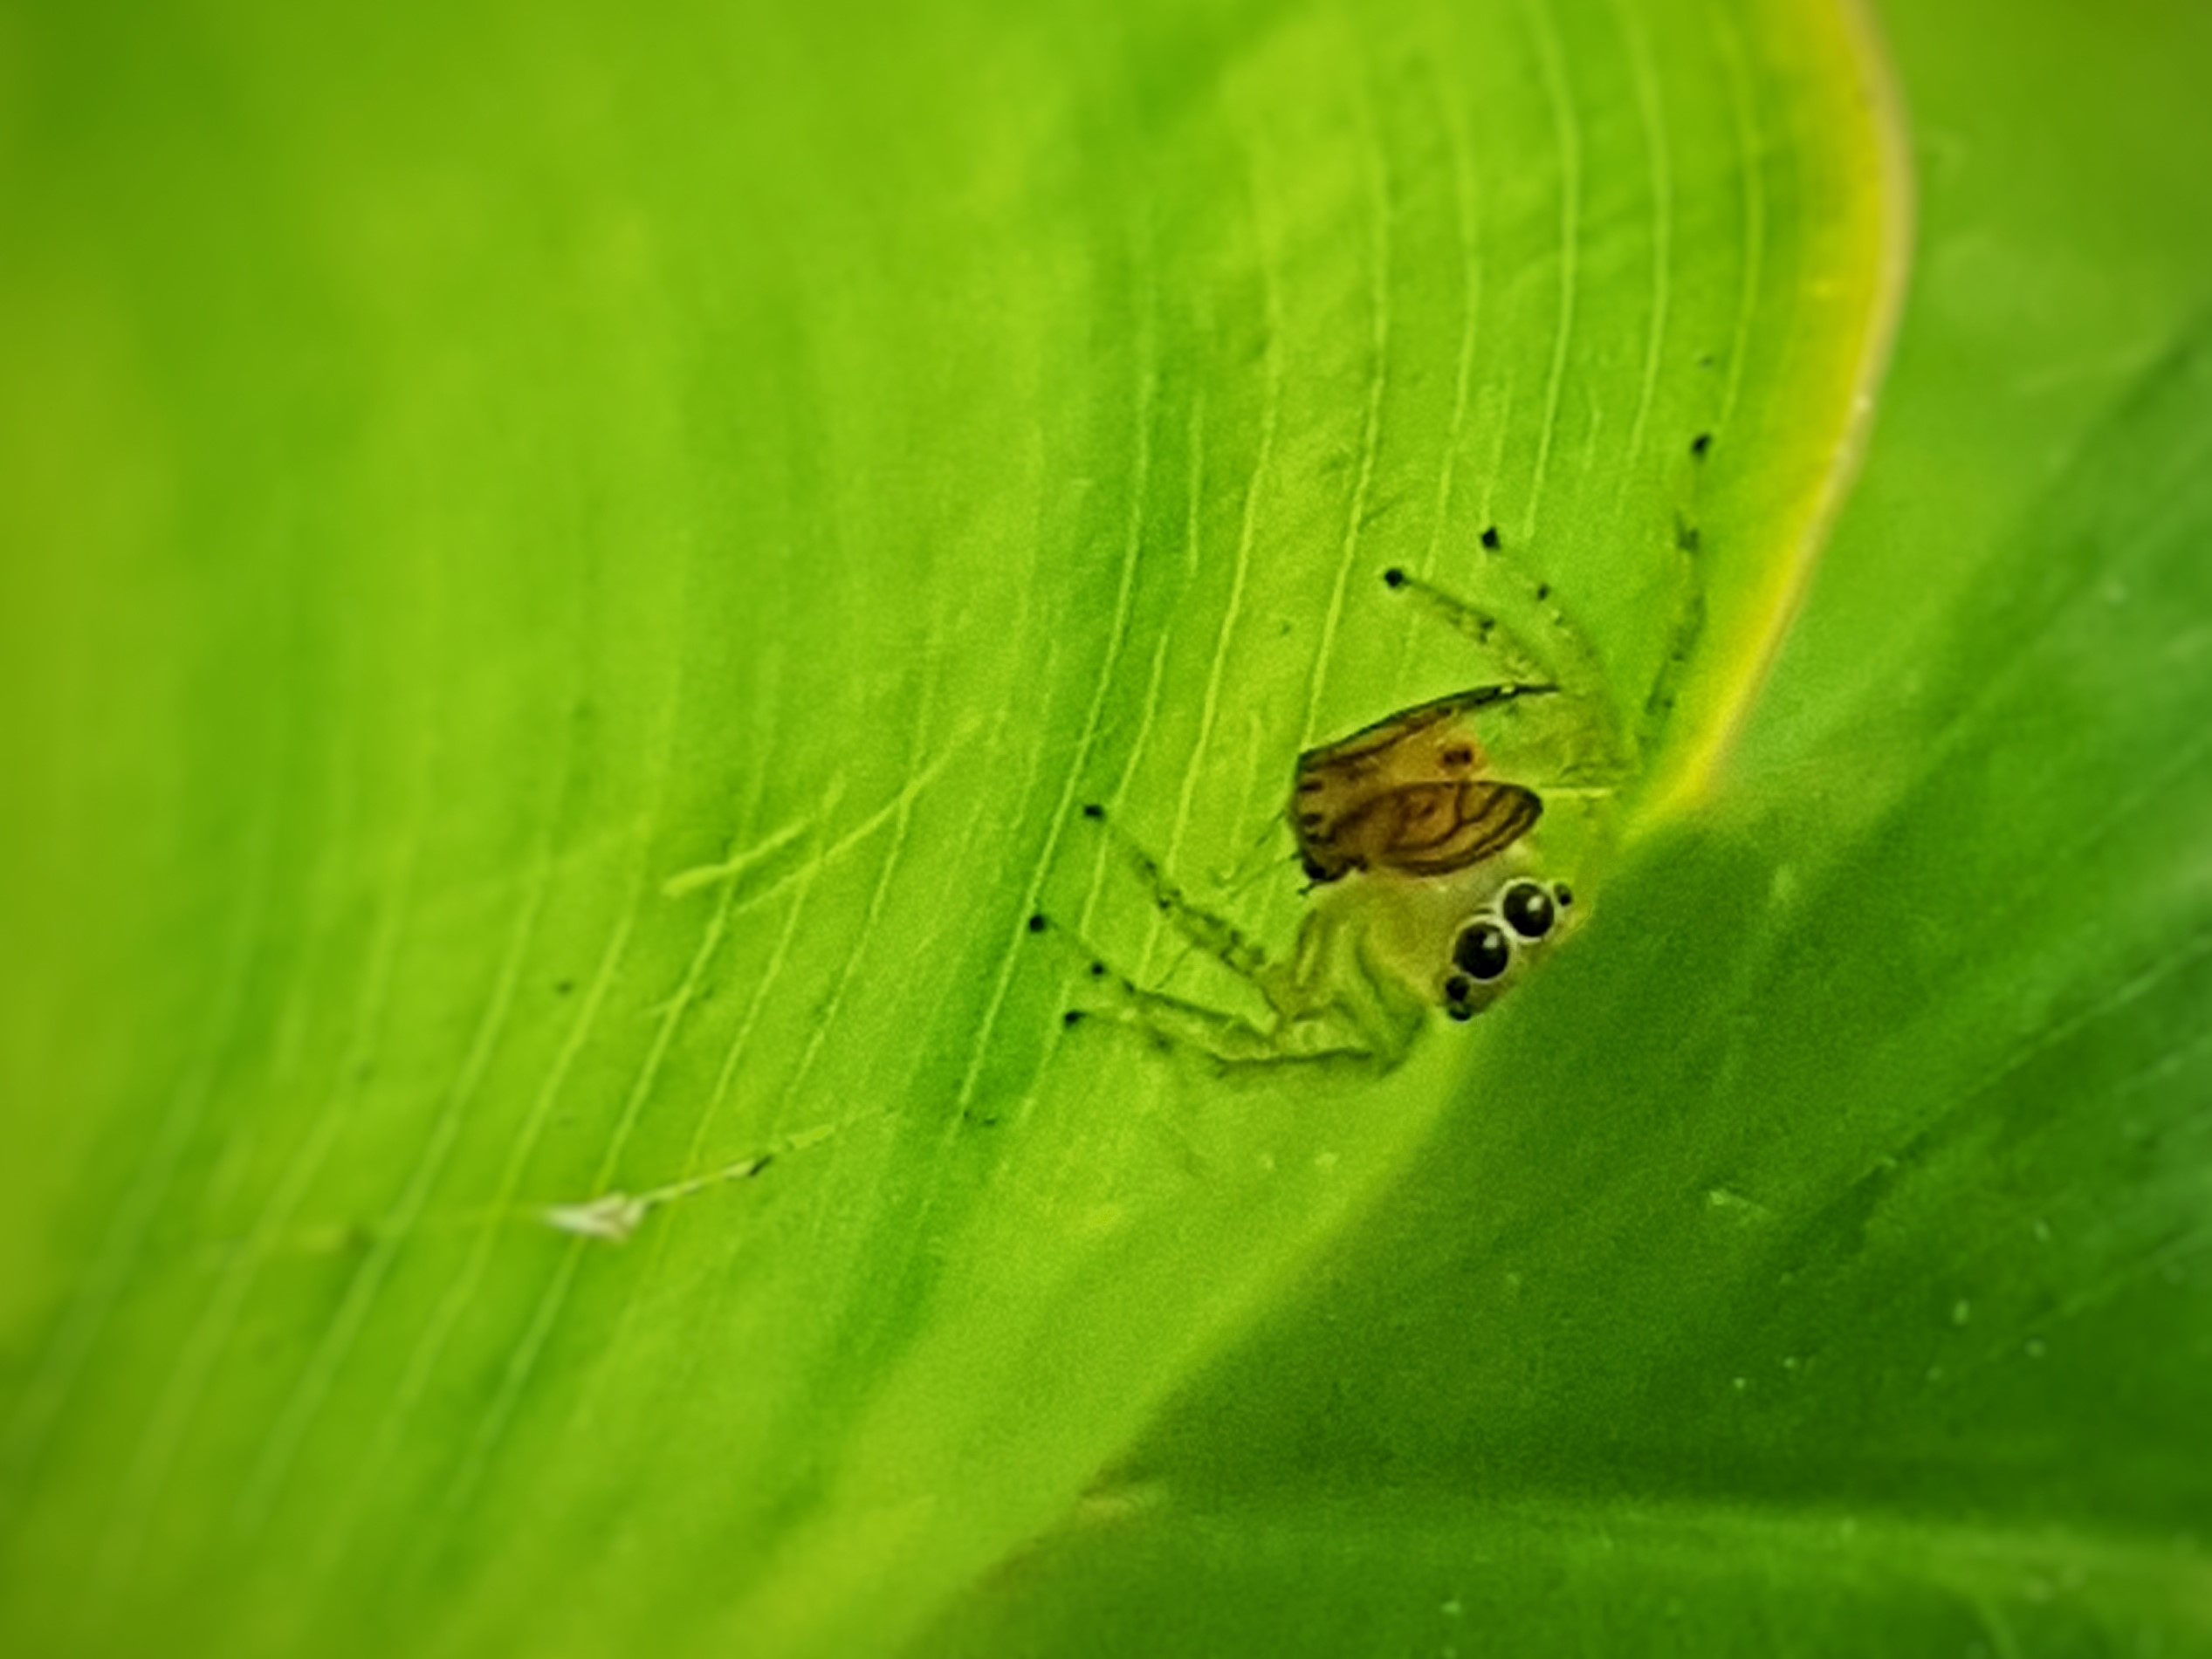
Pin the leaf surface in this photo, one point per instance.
(570, 575)
(1820, 1263)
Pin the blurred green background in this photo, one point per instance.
(565, 574)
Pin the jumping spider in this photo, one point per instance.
(1425, 892)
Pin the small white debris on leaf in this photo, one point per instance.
(613, 1218)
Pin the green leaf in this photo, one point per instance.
(1818, 1262)
(1872, 1306)
(569, 575)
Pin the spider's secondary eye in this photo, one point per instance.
(1457, 989)
(1483, 951)
(1528, 910)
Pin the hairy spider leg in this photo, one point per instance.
(1687, 626)
(1497, 636)
(1218, 938)
(1326, 1031)
(1583, 678)
(1681, 644)
(1262, 858)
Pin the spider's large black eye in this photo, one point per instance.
(1483, 951)
(1528, 910)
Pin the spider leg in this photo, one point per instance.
(1216, 935)
(1312, 1031)
(1577, 671)
(1494, 635)
(1307, 1025)
(1686, 628)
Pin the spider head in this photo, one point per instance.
(1517, 922)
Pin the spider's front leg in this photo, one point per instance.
(1312, 1013)
(1601, 755)
(1216, 935)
